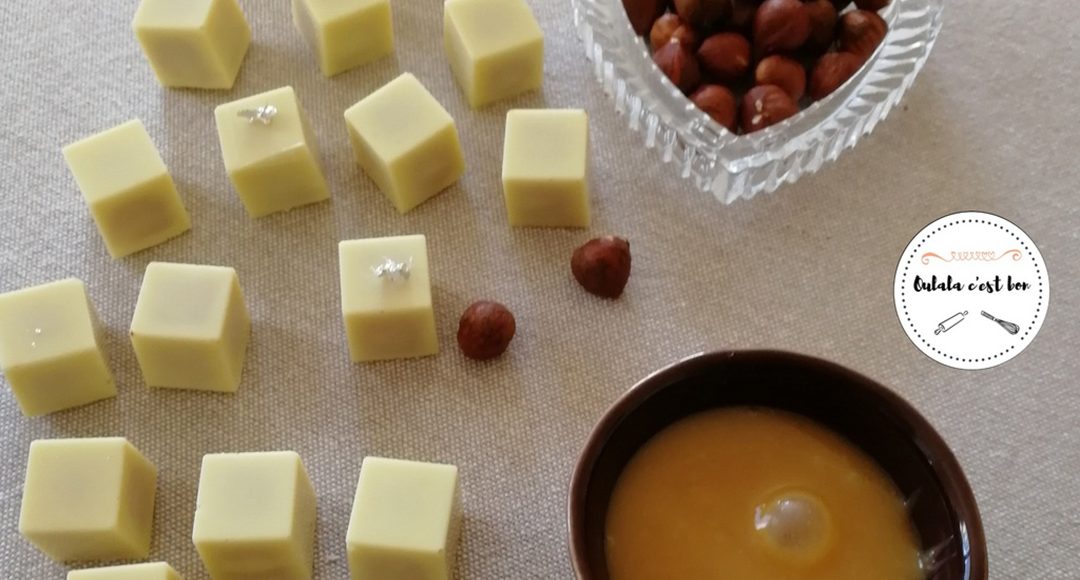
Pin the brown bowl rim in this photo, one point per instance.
(943, 463)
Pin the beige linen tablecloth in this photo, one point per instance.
(990, 125)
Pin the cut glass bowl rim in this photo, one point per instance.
(741, 166)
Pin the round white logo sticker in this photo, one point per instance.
(971, 290)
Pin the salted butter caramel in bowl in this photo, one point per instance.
(765, 465)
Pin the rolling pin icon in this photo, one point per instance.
(950, 322)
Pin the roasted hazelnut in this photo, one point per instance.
(602, 266)
(703, 13)
(783, 72)
(725, 56)
(766, 105)
(780, 25)
(832, 70)
(720, 103)
(643, 13)
(680, 65)
(671, 28)
(485, 330)
(860, 32)
(874, 5)
(742, 14)
(822, 15)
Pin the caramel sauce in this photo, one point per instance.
(757, 494)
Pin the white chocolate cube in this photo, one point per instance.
(345, 34)
(88, 499)
(255, 517)
(406, 142)
(191, 327)
(129, 191)
(154, 571)
(193, 43)
(50, 351)
(545, 168)
(274, 166)
(495, 48)
(405, 521)
(387, 316)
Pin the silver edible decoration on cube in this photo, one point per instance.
(264, 114)
(393, 270)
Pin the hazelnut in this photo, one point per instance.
(860, 32)
(766, 105)
(602, 266)
(678, 64)
(485, 330)
(719, 103)
(703, 13)
(783, 72)
(742, 13)
(840, 5)
(780, 25)
(725, 56)
(671, 28)
(643, 13)
(822, 25)
(831, 71)
(874, 5)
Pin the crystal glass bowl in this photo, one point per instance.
(732, 166)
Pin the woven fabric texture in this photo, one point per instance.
(987, 126)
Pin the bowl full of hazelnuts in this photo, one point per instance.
(745, 95)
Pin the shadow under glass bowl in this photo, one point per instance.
(884, 426)
(741, 166)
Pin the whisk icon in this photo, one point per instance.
(1009, 327)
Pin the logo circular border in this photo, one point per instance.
(900, 288)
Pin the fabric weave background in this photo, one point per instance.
(990, 125)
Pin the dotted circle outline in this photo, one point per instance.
(914, 252)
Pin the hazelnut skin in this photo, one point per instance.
(725, 56)
(643, 13)
(860, 32)
(766, 105)
(602, 266)
(831, 71)
(680, 65)
(783, 72)
(485, 330)
(780, 25)
(719, 103)
(822, 25)
(874, 5)
(742, 14)
(671, 28)
(703, 13)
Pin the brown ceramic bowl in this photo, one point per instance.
(866, 413)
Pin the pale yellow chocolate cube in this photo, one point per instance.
(345, 34)
(386, 298)
(405, 521)
(50, 349)
(88, 499)
(495, 48)
(545, 169)
(131, 195)
(255, 517)
(191, 327)
(406, 142)
(154, 571)
(274, 165)
(193, 43)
